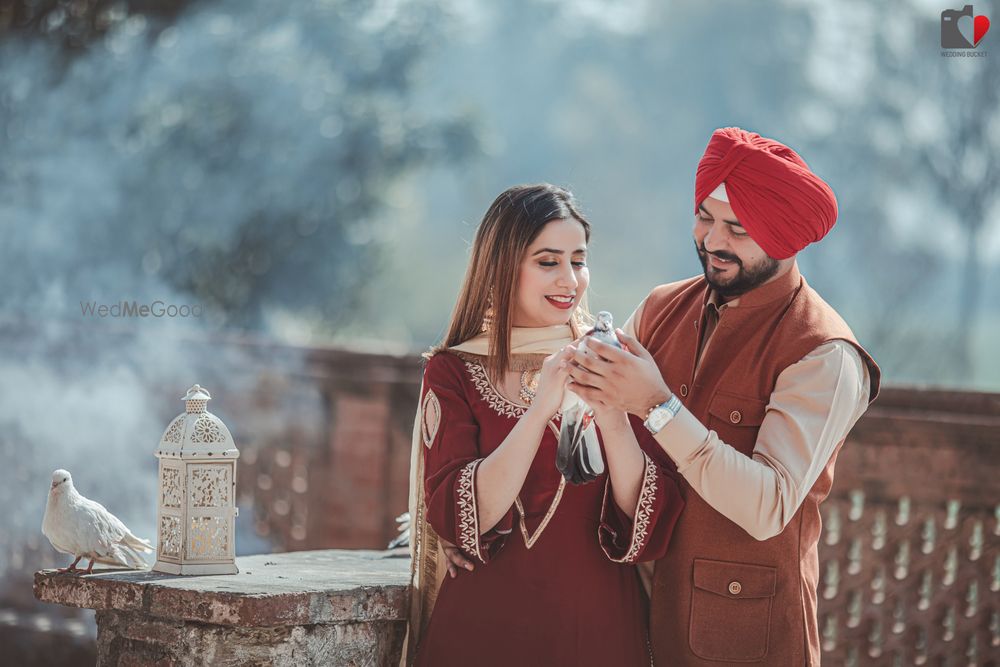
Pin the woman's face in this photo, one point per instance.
(553, 276)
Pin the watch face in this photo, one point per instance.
(658, 419)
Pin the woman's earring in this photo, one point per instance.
(488, 315)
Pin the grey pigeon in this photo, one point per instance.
(578, 455)
(85, 529)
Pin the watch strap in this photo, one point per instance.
(671, 407)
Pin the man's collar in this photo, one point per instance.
(715, 300)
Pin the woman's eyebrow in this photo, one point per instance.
(555, 251)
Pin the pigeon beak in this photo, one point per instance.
(55, 484)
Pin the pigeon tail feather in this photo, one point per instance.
(132, 557)
(137, 543)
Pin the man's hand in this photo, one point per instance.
(456, 560)
(626, 380)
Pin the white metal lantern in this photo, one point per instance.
(196, 513)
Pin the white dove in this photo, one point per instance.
(83, 528)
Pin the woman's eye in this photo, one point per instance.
(549, 263)
(579, 264)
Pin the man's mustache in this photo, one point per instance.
(725, 256)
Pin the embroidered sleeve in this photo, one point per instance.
(450, 434)
(646, 536)
(430, 417)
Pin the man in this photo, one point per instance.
(750, 383)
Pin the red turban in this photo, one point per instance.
(776, 197)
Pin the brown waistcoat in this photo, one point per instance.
(720, 596)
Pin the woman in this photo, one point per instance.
(554, 582)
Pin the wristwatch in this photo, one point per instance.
(661, 415)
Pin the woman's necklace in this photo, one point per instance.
(529, 385)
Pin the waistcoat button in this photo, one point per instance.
(735, 587)
(684, 390)
(735, 416)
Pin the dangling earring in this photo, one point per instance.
(488, 315)
(580, 319)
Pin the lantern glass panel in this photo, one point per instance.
(171, 488)
(210, 485)
(208, 538)
(170, 536)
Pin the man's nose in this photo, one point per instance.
(714, 240)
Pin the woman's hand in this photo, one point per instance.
(455, 559)
(552, 384)
(609, 419)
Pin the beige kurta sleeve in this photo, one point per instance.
(814, 404)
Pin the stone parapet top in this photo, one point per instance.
(298, 588)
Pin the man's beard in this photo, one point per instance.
(746, 279)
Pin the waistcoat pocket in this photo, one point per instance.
(731, 610)
(736, 419)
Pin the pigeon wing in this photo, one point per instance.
(119, 545)
(100, 531)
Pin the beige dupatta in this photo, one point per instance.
(428, 565)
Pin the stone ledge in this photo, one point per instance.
(273, 590)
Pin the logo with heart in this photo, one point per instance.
(962, 29)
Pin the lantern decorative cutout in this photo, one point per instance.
(196, 512)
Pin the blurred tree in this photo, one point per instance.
(918, 150)
(615, 99)
(237, 152)
(74, 24)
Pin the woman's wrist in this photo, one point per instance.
(536, 416)
(613, 421)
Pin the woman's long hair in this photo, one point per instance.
(510, 226)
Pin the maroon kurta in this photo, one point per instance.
(554, 582)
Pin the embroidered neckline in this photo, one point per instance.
(500, 404)
(505, 407)
(529, 540)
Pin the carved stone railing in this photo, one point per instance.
(910, 553)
